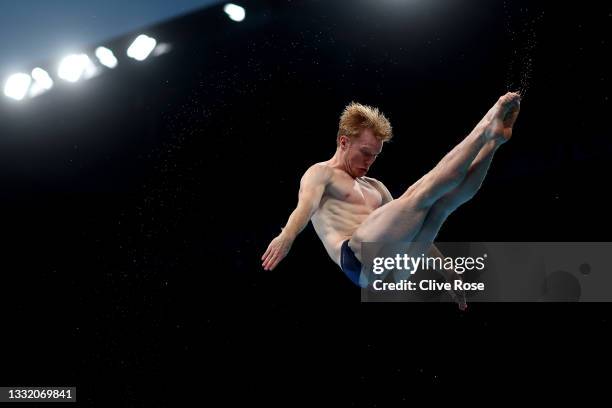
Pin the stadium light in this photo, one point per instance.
(75, 66)
(106, 57)
(234, 12)
(42, 82)
(17, 86)
(141, 47)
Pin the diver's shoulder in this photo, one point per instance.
(321, 171)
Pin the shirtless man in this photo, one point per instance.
(348, 208)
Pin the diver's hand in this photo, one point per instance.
(277, 250)
(458, 296)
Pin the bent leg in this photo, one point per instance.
(440, 211)
(422, 242)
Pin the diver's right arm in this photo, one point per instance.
(312, 187)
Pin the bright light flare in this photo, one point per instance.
(76, 66)
(17, 86)
(141, 47)
(106, 57)
(42, 82)
(234, 12)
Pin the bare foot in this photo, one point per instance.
(498, 122)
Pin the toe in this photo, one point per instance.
(514, 96)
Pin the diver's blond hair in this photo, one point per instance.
(357, 117)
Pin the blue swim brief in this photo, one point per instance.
(349, 263)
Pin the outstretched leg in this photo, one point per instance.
(439, 212)
(404, 218)
(471, 184)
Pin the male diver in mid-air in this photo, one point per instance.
(348, 208)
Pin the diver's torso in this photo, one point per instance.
(345, 204)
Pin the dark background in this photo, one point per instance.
(136, 205)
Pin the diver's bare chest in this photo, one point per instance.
(355, 191)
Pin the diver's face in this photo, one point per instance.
(361, 152)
